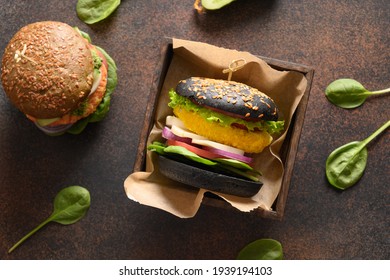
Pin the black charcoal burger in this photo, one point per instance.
(54, 75)
(219, 121)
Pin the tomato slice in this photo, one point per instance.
(196, 150)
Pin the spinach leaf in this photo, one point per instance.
(346, 164)
(348, 93)
(70, 205)
(211, 4)
(157, 147)
(92, 11)
(262, 249)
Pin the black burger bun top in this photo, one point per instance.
(47, 69)
(231, 98)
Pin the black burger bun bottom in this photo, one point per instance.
(200, 177)
(47, 69)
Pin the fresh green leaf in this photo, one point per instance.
(215, 4)
(157, 147)
(348, 93)
(262, 249)
(79, 126)
(92, 11)
(83, 34)
(70, 205)
(346, 164)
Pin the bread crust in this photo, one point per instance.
(229, 97)
(47, 69)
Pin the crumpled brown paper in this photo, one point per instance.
(190, 58)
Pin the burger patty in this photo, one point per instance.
(90, 105)
(248, 141)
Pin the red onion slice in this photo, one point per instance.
(169, 135)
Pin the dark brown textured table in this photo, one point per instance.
(349, 39)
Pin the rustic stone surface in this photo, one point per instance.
(337, 39)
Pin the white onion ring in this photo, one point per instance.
(54, 130)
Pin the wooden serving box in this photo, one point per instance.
(289, 148)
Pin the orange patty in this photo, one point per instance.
(93, 100)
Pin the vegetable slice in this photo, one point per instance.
(198, 151)
(54, 130)
(169, 135)
(227, 154)
(188, 154)
(185, 133)
(218, 146)
(172, 120)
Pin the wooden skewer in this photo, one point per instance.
(234, 66)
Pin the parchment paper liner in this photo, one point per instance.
(190, 58)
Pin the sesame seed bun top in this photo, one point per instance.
(228, 97)
(47, 69)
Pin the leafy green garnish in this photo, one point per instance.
(97, 60)
(272, 127)
(346, 164)
(348, 93)
(83, 34)
(92, 11)
(262, 249)
(70, 205)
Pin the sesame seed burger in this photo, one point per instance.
(220, 125)
(54, 75)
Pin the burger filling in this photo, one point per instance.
(187, 147)
(251, 137)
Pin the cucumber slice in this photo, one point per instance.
(45, 122)
(215, 4)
